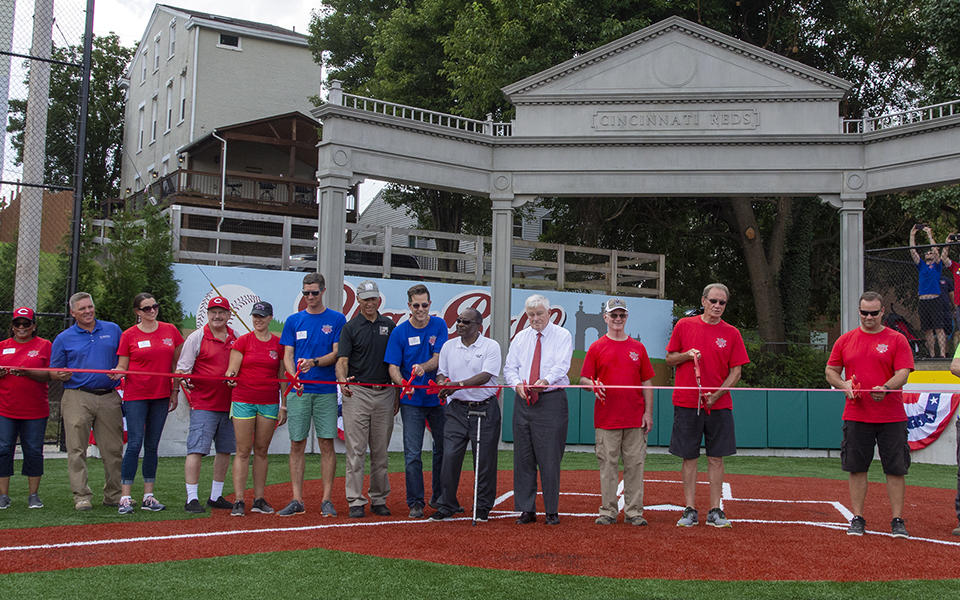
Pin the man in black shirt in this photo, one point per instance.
(369, 406)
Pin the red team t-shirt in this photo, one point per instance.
(721, 347)
(149, 352)
(872, 358)
(615, 362)
(213, 358)
(258, 371)
(20, 396)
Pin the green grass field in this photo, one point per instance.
(323, 573)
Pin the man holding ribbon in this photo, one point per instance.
(709, 354)
(622, 416)
(413, 351)
(873, 360)
(309, 340)
(536, 367)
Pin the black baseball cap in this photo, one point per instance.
(262, 309)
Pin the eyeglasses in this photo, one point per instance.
(465, 322)
(22, 324)
(717, 301)
(617, 316)
(150, 308)
(311, 292)
(418, 305)
(869, 313)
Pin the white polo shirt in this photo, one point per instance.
(459, 362)
(556, 350)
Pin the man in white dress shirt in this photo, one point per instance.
(469, 360)
(538, 362)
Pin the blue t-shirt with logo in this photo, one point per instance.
(409, 346)
(313, 336)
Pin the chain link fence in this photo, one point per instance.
(40, 101)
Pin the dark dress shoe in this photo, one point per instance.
(526, 517)
(553, 519)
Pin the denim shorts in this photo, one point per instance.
(209, 426)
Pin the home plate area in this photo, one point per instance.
(784, 528)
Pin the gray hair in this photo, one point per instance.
(78, 297)
(718, 286)
(536, 300)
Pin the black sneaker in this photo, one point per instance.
(238, 509)
(194, 507)
(220, 502)
(483, 515)
(260, 506)
(294, 508)
(857, 526)
(416, 512)
(380, 510)
(357, 512)
(898, 528)
(440, 515)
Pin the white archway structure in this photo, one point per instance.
(675, 109)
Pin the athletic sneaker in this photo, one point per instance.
(357, 512)
(956, 530)
(857, 526)
(483, 515)
(260, 506)
(898, 528)
(440, 515)
(638, 521)
(716, 518)
(380, 510)
(416, 512)
(83, 505)
(295, 507)
(605, 520)
(237, 509)
(327, 509)
(220, 502)
(193, 507)
(125, 507)
(689, 517)
(4, 501)
(152, 504)
(34, 501)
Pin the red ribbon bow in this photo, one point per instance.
(433, 388)
(406, 389)
(701, 399)
(294, 383)
(599, 391)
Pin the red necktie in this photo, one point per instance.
(535, 370)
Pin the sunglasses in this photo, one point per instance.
(716, 301)
(617, 316)
(311, 292)
(22, 323)
(464, 322)
(418, 305)
(870, 313)
(150, 308)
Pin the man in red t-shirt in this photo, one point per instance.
(866, 363)
(708, 354)
(622, 417)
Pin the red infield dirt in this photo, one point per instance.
(784, 528)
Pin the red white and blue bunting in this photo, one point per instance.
(928, 414)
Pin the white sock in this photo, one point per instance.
(216, 490)
(192, 492)
(145, 495)
(122, 498)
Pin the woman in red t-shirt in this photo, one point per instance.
(257, 358)
(151, 346)
(23, 404)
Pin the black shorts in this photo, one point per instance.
(689, 428)
(933, 314)
(859, 439)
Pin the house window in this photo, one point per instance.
(169, 104)
(229, 41)
(140, 129)
(517, 226)
(156, 53)
(137, 184)
(173, 38)
(165, 166)
(143, 67)
(153, 120)
(183, 97)
(545, 225)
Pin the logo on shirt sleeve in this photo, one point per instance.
(721, 343)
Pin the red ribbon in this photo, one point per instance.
(295, 383)
(406, 389)
(701, 399)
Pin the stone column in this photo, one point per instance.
(331, 237)
(851, 255)
(501, 280)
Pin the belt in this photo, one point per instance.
(480, 403)
(96, 392)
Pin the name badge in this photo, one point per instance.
(414, 341)
(301, 335)
(9, 350)
(143, 344)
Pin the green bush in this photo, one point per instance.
(799, 366)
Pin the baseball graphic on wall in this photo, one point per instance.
(241, 300)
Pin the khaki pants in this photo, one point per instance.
(81, 411)
(631, 444)
(367, 421)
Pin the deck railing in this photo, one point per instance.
(901, 118)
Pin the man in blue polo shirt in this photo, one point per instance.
(310, 341)
(415, 346)
(89, 399)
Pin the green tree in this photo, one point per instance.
(104, 117)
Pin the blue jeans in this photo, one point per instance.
(31, 432)
(414, 419)
(145, 419)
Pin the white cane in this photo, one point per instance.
(476, 462)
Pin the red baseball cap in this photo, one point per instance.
(24, 313)
(218, 302)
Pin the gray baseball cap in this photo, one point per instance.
(262, 309)
(367, 289)
(615, 304)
